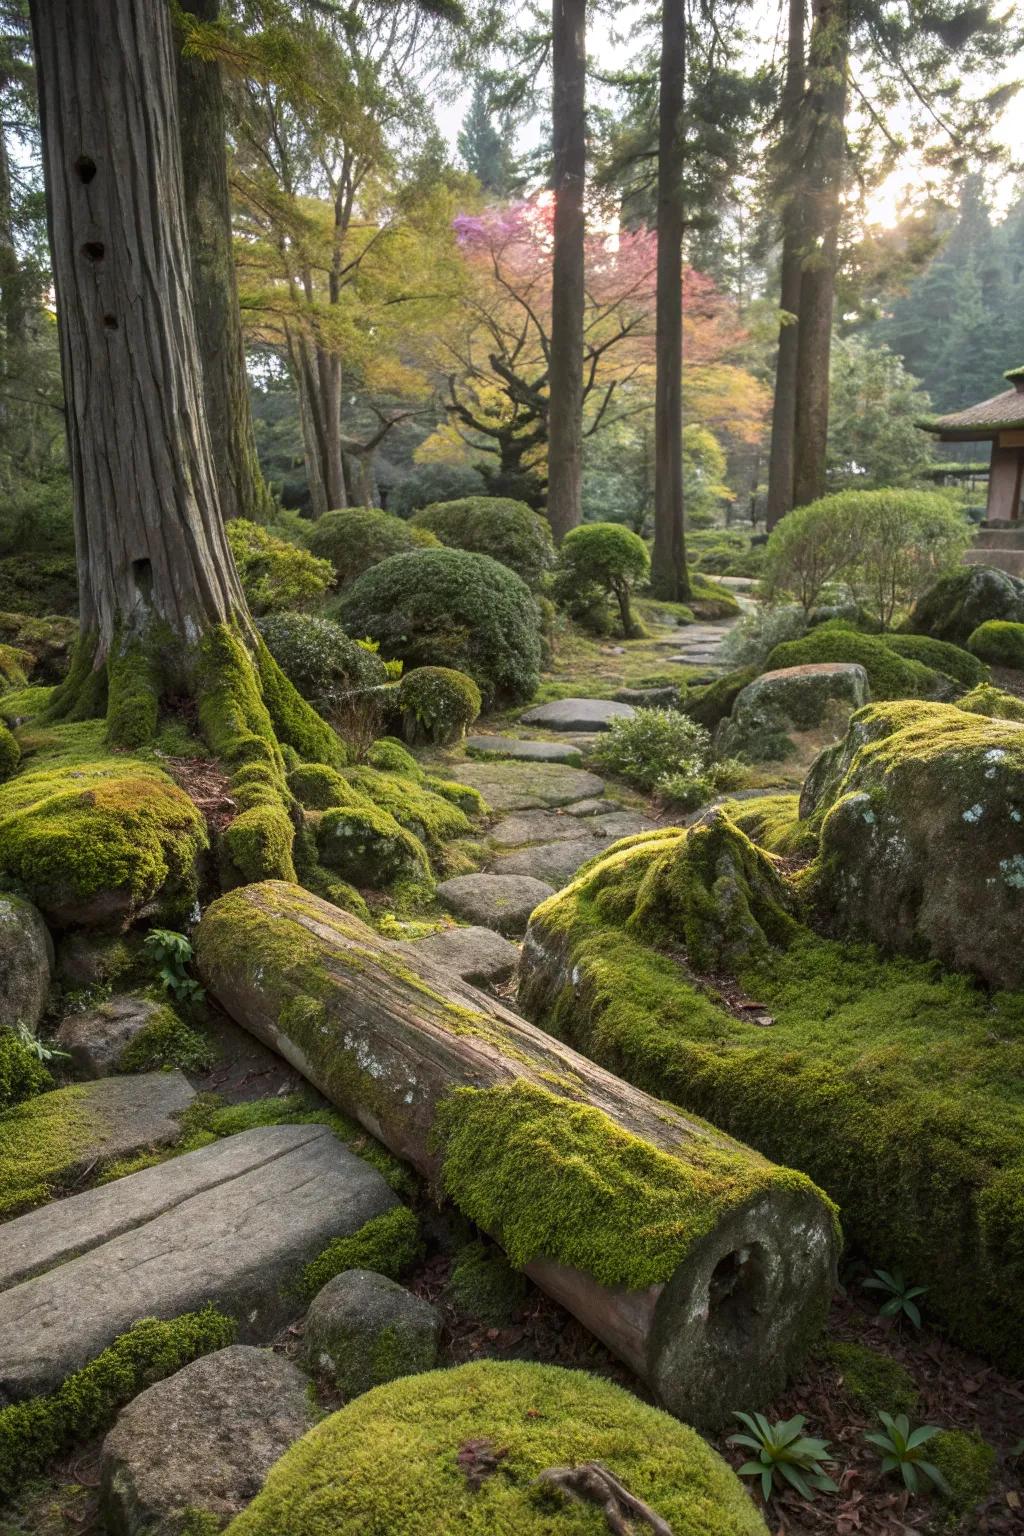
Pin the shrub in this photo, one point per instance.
(663, 750)
(890, 676)
(887, 545)
(428, 483)
(757, 634)
(602, 557)
(360, 537)
(507, 530)
(437, 704)
(999, 642)
(451, 608)
(275, 575)
(319, 658)
(940, 656)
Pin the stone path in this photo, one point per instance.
(478, 955)
(232, 1223)
(525, 751)
(514, 786)
(577, 714)
(500, 901)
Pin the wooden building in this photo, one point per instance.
(999, 421)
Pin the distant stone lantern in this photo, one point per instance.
(999, 421)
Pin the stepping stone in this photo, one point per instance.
(203, 1439)
(553, 863)
(228, 1224)
(96, 1041)
(479, 955)
(525, 751)
(577, 714)
(526, 786)
(503, 902)
(51, 1140)
(589, 808)
(536, 827)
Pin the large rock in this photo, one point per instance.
(552, 863)
(921, 809)
(282, 1193)
(362, 1330)
(502, 902)
(790, 699)
(204, 1440)
(578, 714)
(524, 751)
(526, 786)
(958, 603)
(26, 963)
(97, 1040)
(477, 955)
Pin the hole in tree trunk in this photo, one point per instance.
(94, 250)
(110, 321)
(85, 168)
(736, 1291)
(142, 575)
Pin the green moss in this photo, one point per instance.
(23, 703)
(41, 1142)
(259, 843)
(773, 822)
(999, 642)
(10, 753)
(967, 1462)
(389, 1244)
(14, 667)
(437, 704)
(872, 1381)
(34, 1431)
(561, 1180)
(318, 787)
(469, 800)
(940, 656)
(484, 1285)
(390, 756)
(432, 818)
(167, 1041)
(987, 700)
(133, 692)
(200, 1522)
(22, 1074)
(712, 703)
(367, 846)
(390, 1461)
(709, 600)
(890, 676)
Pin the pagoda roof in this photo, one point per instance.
(1001, 413)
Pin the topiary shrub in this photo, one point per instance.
(601, 558)
(360, 537)
(890, 676)
(428, 483)
(999, 642)
(319, 658)
(507, 530)
(437, 704)
(940, 656)
(276, 575)
(451, 608)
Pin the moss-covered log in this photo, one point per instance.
(702, 1265)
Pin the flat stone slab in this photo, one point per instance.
(577, 714)
(479, 955)
(576, 840)
(535, 827)
(502, 902)
(552, 863)
(589, 808)
(522, 750)
(203, 1439)
(240, 1243)
(517, 786)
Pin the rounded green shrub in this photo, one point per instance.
(413, 1458)
(275, 574)
(656, 745)
(940, 656)
(999, 642)
(437, 704)
(427, 483)
(890, 676)
(319, 658)
(360, 537)
(451, 608)
(507, 530)
(601, 558)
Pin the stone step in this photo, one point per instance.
(499, 901)
(478, 955)
(999, 536)
(522, 750)
(577, 714)
(232, 1224)
(517, 786)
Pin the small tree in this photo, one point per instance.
(873, 435)
(811, 547)
(609, 557)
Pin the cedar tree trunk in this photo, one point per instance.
(780, 464)
(565, 410)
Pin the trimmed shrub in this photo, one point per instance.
(660, 749)
(940, 656)
(507, 530)
(890, 676)
(428, 483)
(276, 575)
(999, 642)
(437, 704)
(319, 658)
(451, 608)
(360, 537)
(601, 558)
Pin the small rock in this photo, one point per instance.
(479, 955)
(502, 902)
(26, 963)
(577, 714)
(96, 1041)
(536, 827)
(203, 1439)
(522, 750)
(588, 808)
(363, 1329)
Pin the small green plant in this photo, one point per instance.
(900, 1296)
(903, 1448)
(784, 1451)
(172, 953)
(39, 1049)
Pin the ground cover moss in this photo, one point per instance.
(898, 1088)
(890, 676)
(389, 1244)
(432, 818)
(773, 822)
(389, 1461)
(1000, 642)
(872, 1381)
(41, 1140)
(484, 1285)
(32, 1432)
(940, 655)
(994, 702)
(967, 1462)
(168, 1041)
(10, 752)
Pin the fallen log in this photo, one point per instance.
(702, 1265)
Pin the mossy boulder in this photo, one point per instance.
(713, 702)
(941, 656)
(363, 1329)
(367, 846)
(431, 817)
(921, 811)
(46, 641)
(484, 1285)
(317, 787)
(995, 702)
(958, 603)
(890, 676)
(999, 642)
(26, 963)
(463, 1450)
(801, 698)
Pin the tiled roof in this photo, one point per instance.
(998, 414)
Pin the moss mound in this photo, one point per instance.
(430, 817)
(953, 660)
(773, 823)
(389, 1244)
(399, 1460)
(507, 530)
(999, 642)
(994, 702)
(367, 846)
(872, 1381)
(484, 1285)
(958, 603)
(890, 676)
(437, 704)
(967, 1463)
(357, 538)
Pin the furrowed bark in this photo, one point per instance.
(780, 464)
(565, 409)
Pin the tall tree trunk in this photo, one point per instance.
(780, 464)
(242, 488)
(669, 575)
(826, 165)
(565, 412)
(328, 369)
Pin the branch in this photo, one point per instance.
(594, 1484)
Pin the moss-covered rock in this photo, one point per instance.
(362, 1330)
(389, 755)
(890, 676)
(773, 823)
(367, 846)
(47, 642)
(921, 816)
(432, 818)
(401, 1459)
(484, 1285)
(999, 642)
(967, 1463)
(793, 699)
(714, 701)
(26, 963)
(437, 704)
(10, 752)
(958, 603)
(318, 787)
(941, 656)
(991, 701)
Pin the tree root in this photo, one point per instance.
(593, 1484)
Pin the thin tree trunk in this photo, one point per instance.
(780, 464)
(565, 411)
(243, 490)
(826, 163)
(328, 372)
(669, 575)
